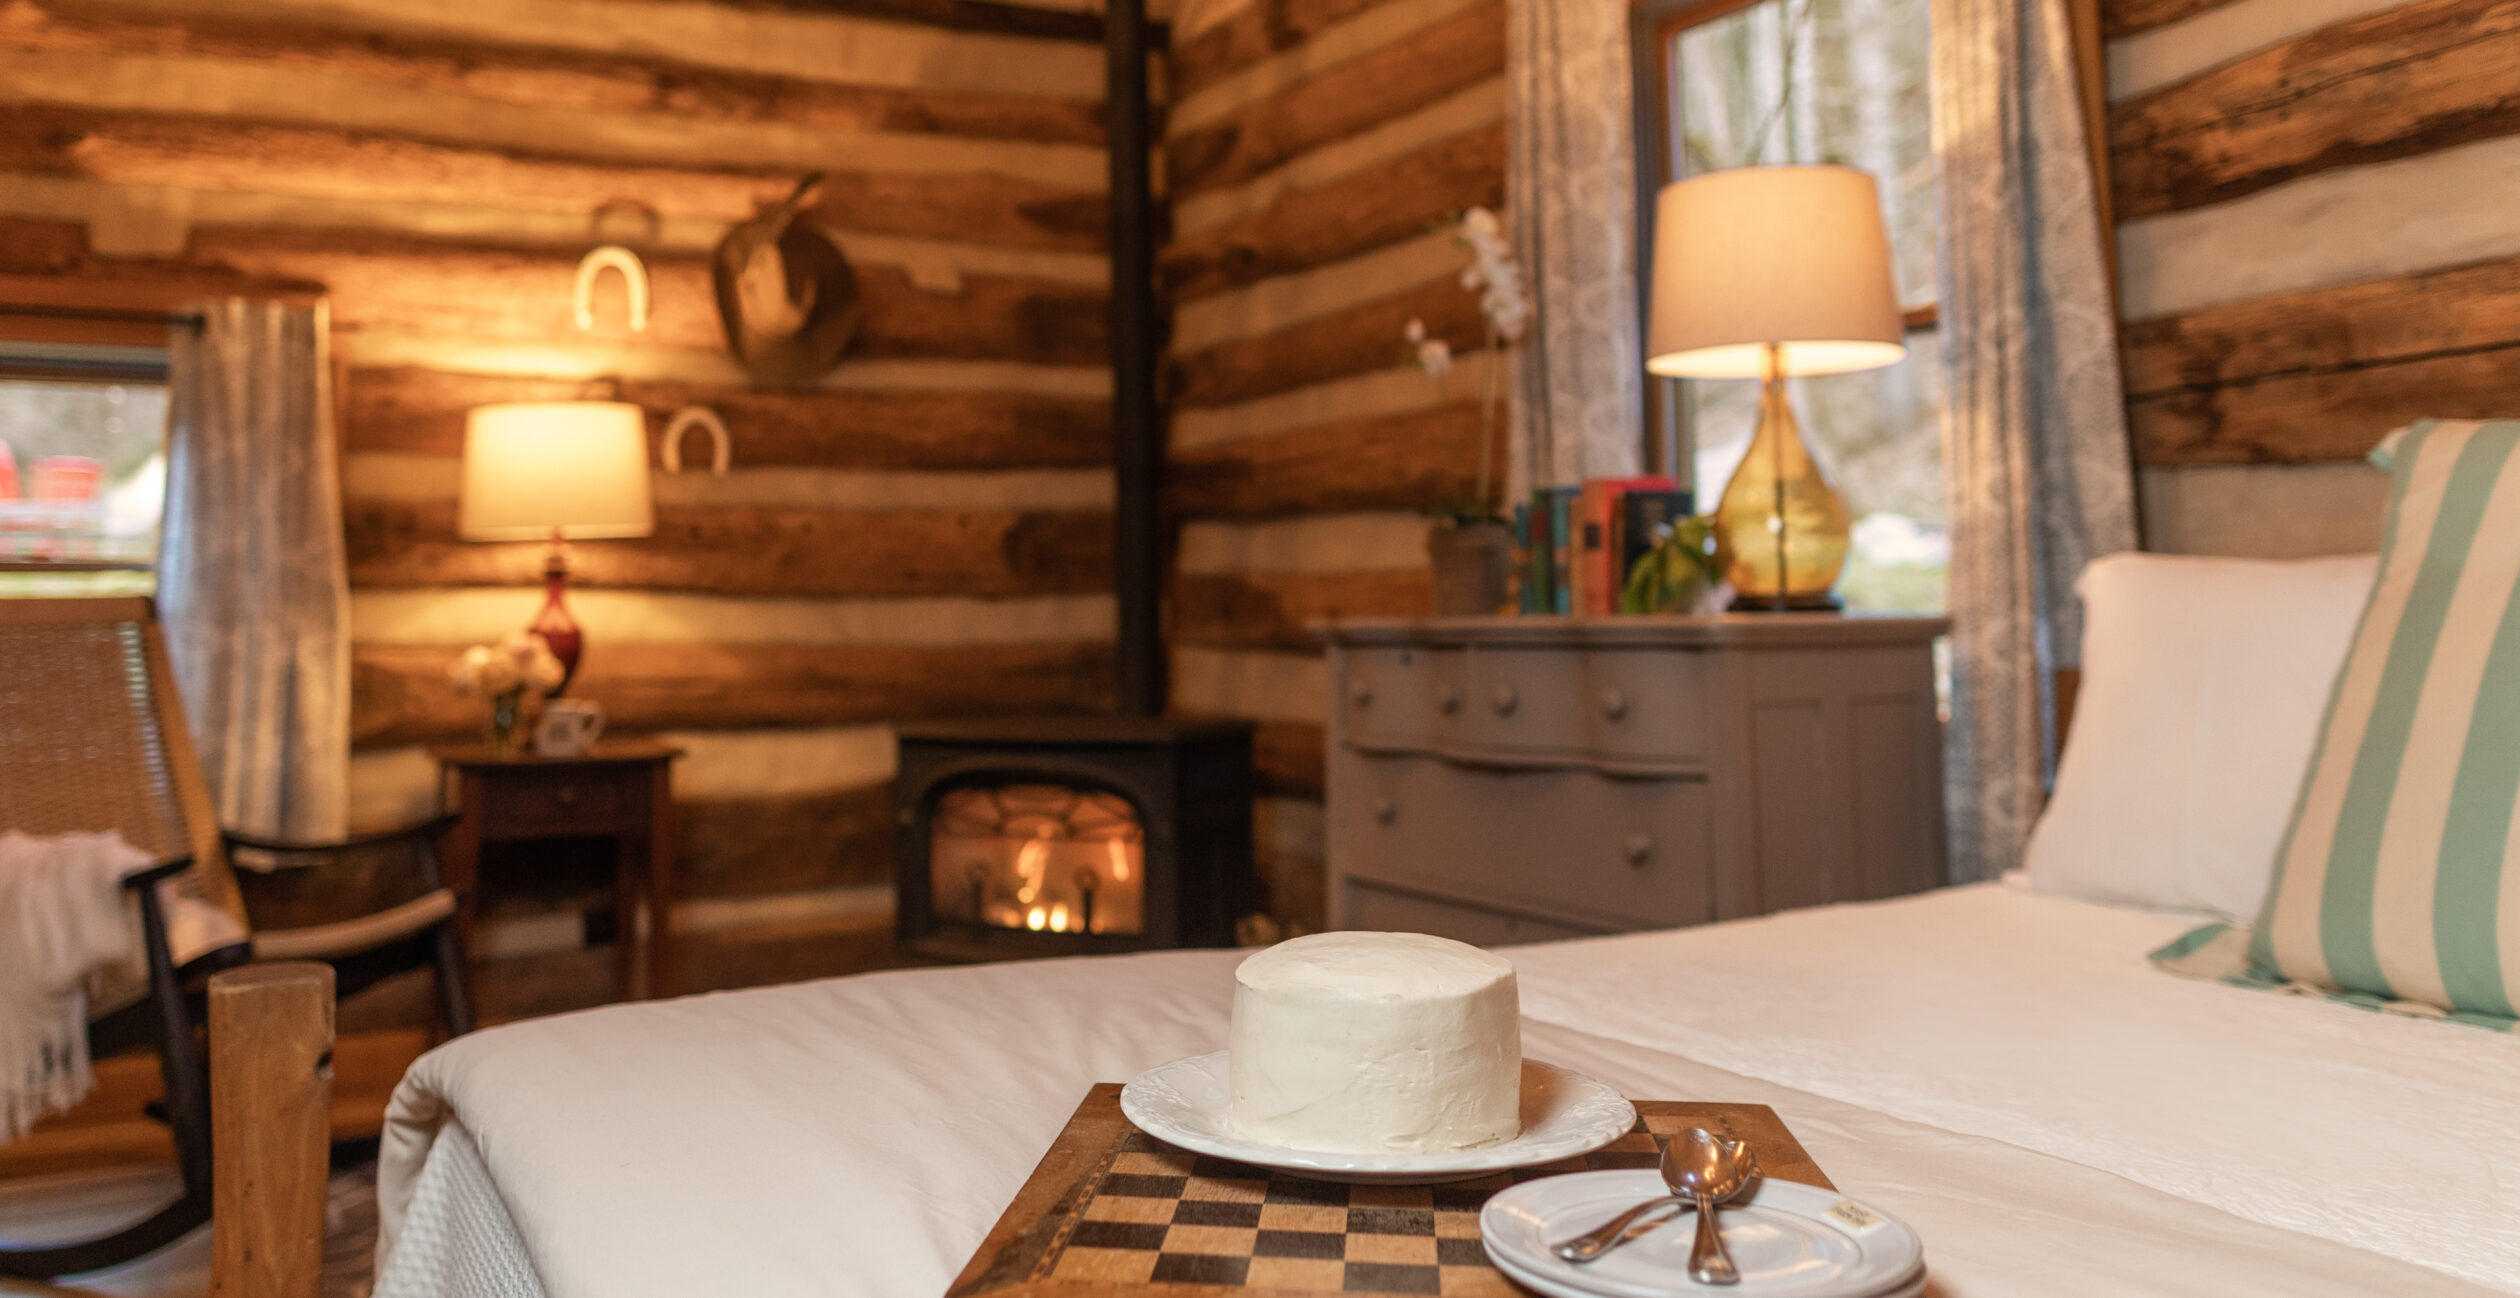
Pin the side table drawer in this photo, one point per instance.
(530, 803)
(1620, 706)
(1402, 696)
(1368, 906)
(1633, 853)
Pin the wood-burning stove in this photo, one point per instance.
(1073, 834)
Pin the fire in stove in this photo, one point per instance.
(1038, 857)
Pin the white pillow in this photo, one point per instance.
(2203, 681)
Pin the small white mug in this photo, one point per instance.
(568, 727)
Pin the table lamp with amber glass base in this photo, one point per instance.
(1773, 273)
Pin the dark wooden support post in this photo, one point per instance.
(271, 1042)
(1136, 338)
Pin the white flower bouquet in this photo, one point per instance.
(503, 675)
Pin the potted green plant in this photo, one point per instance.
(1471, 551)
(1676, 573)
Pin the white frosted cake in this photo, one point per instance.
(1376, 1043)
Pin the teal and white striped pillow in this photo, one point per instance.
(2400, 874)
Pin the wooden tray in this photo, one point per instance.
(1114, 1213)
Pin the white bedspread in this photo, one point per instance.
(2001, 1069)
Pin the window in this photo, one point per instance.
(82, 467)
(1731, 83)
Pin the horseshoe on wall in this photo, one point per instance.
(686, 419)
(633, 278)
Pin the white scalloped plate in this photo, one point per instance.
(1564, 1114)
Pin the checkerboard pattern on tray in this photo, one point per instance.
(1163, 1216)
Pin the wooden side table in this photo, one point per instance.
(621, 791)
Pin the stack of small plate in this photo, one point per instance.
(1788, 1240)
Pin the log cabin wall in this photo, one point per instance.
(2317, 242)
(1317, 152)
(925, 533)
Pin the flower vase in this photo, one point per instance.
(506, 711)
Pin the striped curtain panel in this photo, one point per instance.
(2400, 874)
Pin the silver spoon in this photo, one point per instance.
(1712, 1171)
(1612, 1233)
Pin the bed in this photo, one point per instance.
(2002, 1068)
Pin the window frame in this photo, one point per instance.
(28, 328)
(1669, 443)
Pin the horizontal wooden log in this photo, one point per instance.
(1277, 610)
(1287, 759)
(419, 411)
(524, 294)
(1355, 341)
(1422, 460)
(804, 842)
(755, 550)
(1350, 97)
(2127, 17)
(1343, 218)
(2340, 327)
(830, 45)
(400, 693)
(141, 149)
(1258, 30)
(2322, 415)
(2409, 80)
(579, 80)
(969, 16)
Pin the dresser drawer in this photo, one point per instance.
(1369, 906)
(558, 803)
(1629, 853)
(1403, 697)
(1622, 706)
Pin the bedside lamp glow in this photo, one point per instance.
(1770, 273)
(556, 471)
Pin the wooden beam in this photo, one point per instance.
(142, 149)
(756, 550)
(1277, 610)
(271, 1043)
(524, 294)
(1358, 340)
(1258, 30)
(419, 411)
(2344, 327)
(798, 842)
(2410, 80)
(1345, 217)
(1346, 100)
(2326, 415)
(2127, 17)
(1421, 460)
(1288, 759)
(963, 15)
(400, 693)
(656, 81)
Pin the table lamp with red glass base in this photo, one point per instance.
(556, 471)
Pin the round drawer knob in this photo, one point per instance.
(1506, 700)
(1636, 849)
(567, 795)
(1362, 693)
(1614, 705)
(1450, 699)
(1386, 811)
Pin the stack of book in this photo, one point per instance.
(1579, 543)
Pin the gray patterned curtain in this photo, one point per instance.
(252, 586)
(1578, 397)
(2034, 421)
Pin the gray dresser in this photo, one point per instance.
(1517, 779)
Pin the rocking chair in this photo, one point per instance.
(92, 738)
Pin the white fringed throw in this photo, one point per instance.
(61, 920)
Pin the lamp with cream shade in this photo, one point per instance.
(556, 471)
(1772, 273)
